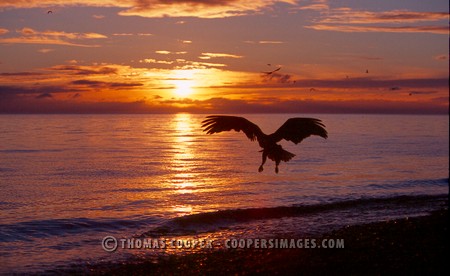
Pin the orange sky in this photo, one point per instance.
(209, 56)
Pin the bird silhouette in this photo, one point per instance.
(271, 72)
(294, 129)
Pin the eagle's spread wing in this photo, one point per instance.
(215, 124)
(297, 129)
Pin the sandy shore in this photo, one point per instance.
(408, 246)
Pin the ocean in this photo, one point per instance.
(69, 181)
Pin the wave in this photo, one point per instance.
(30, 150)
(411, 183)
(211, 221)
(204, 222)
(28, 230)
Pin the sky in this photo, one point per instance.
(224, 56)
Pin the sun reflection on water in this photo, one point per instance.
(183, 163)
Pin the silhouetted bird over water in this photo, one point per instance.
(294, 129)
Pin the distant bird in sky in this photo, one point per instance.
(367, 71)
(312, 89)
(271, 72)
(294, 129)
(394, 88)
(49, 12)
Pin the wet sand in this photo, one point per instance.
(408, 246)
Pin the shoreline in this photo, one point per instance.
(409, 245)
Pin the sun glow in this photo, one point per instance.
(184, 81)
(183, 88)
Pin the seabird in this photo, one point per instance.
(294, 130)
(271, 72)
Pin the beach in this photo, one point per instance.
(417, 245)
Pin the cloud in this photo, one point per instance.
(164, 52)
(132, 34)
(50, 33)
(441, 57)
(152, 60)
(85, 70)
(362, 84)
(123, 34)
(44, 96)
(45, 50)
(102, 84)
(398, 21)
(50, 37)
(356, 57)
(163, 8)
(3, 31)
(41, 40)
(199, 65)
(223, 105)
(218, 55)
(391, 29)
(349, 16)
(25, 90)
(316, 5)
(264, 42)
(200, 8)
(180, 63)
(422, 92)
(20, 74)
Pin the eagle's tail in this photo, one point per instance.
(278, 154)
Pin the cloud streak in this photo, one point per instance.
(349, 16)
(103, 84)
(395, 21)
(39, 104)
(85, 70)
(218, 55)
(391, 29)
(200, 8)
(162, 8)
(50, 37)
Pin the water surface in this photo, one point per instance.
(68, 180)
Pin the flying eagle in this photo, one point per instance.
(271, 72)
(294, 129)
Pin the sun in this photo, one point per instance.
(183, 88)
(183, 82)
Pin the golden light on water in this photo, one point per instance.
(182, 164)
